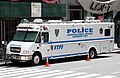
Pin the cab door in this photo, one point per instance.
(45, 47)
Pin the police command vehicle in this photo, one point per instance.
(34, 41)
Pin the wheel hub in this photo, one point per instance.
(92, 54)
(36, 59)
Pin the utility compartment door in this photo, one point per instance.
(104, 47)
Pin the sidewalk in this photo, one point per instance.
(116, 49)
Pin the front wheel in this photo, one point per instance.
(36, 59)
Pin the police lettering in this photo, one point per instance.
(82, 30)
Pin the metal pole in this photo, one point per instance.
(4, 42)
(1, 33)
(4, 32)
(4, 45)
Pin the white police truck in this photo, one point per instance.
(34, 41)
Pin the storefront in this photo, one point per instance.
(11, 14)
(12, 11)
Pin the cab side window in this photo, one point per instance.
(38, 40)
(45, 36)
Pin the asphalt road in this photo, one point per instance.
(104, 66)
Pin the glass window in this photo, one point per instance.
(19, 36)
(107, 32)
(25, 36)
(30, 36)
(46, 36)
(38, 40)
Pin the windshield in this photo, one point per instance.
(25, 36)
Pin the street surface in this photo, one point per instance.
(104, 66)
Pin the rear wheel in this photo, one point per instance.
(92, 53)
(36, 59)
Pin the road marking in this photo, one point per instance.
(38, 72)
(82, 68)
(102, 59)
(27, 74)
(116, 72)
(12, 69)
(9, 72)
(108, 76)
(52, 74)
(70, 75)
(87, 76)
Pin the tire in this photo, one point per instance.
(92, 54)
(36, 59)
(118, 45)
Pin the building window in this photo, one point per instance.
(75, 14)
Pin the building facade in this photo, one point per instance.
(12, 11)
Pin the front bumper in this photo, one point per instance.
(19, 57)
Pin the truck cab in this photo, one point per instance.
(26, 43)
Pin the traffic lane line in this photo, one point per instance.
(82, 68)
(100, 59)
(108, 76)
(30, 74)
(70, 75)
(88, 76)
(52, 74)
(116, 72)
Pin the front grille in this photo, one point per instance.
(15, 49)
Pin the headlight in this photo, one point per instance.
(7, 51)
(25, 52)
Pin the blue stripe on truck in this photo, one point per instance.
(65, 55)
(80, 40)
